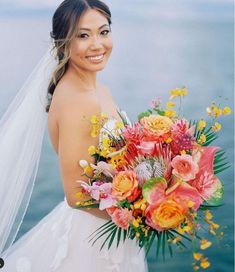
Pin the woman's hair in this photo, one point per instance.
(64, 27)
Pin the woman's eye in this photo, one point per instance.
(105, 32)
(83, 36)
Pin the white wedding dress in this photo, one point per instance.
(59, 243)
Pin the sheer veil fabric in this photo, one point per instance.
(22, 130)
(59, 242)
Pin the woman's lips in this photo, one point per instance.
(96, 58)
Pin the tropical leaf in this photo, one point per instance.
(220, 162)
(169, 244)
(119, 236)
(112, 237)
(159, 238)
(152, 237)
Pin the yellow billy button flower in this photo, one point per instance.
(137, 234)
(183, 152)
(205, 244)
(216, 127)
(197, 256)
(201, 124)
(226, 111)
(204, 263)
(92, 150)
(190, 203)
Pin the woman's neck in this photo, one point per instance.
(84, 78)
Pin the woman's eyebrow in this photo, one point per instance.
(88, 29)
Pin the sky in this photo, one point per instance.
(44, 4)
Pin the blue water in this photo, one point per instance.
(157, 46)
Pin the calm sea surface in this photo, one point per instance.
(157, 46)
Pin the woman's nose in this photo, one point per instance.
(96, 43)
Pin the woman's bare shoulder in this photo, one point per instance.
(69, 101)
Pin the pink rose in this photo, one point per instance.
(184, 167)
(122, 217)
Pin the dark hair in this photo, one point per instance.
(64, 26)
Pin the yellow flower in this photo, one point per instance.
(196, 267)
(205, 244)
(170, 104)
(208, 215)
(168, 140)
(197, 256)
(226, 111)
(175, 92)
(177, 239)
(106, 142)
(170, 113)
(190, 203)
(216, 127)
(201, 124)
(217, 111)
(119, 125)
(92, 150)
(183, 152)
(94, 119)
(88, 169)
(183, 91)
(104, 153)
(204, 263)
(135, 223)
(202, 139)
(137, 234)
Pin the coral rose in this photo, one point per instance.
(167, 214)
(155, 126)
(125, 185)
(184, 167)
(122, 217)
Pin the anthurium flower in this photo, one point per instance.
(184, 167)
(206, 183)
(154, 190)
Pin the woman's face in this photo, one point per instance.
(92, 46)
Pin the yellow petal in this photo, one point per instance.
(205, 244)
(197, 256)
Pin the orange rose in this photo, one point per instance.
(156, 125)
(125, 185)
(167, 214)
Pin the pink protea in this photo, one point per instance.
(184, 167)
(132, 134)
(182, 136)
(121, 217)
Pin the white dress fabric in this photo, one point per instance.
(59, 243)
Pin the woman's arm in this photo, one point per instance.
(74, 140)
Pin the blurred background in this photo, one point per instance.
(158, 46)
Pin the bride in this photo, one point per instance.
(82, 46)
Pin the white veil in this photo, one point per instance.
(22, 130)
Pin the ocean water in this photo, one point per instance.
(157, 46)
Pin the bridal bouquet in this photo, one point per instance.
(157, 178)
